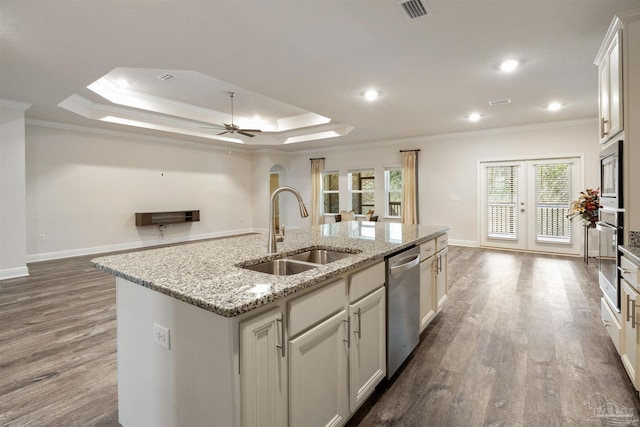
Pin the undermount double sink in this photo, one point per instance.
(297, 263)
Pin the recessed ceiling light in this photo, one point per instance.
(474, 117)
(371, 95)
(554, 106)
(509, 65)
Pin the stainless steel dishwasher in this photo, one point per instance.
(403, 306)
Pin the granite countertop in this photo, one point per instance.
(631, 252)
(207, 274)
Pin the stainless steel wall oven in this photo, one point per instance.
(610, 222)
(609, 237)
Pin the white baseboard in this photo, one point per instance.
(468, 243)
(132, 245)
(156, 242)
(593, 253)
(10, 273)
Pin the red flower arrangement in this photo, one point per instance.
(586, 207)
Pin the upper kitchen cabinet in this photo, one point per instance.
(618, 55)
(610, 85)
(619, 66)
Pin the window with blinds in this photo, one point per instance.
(502, 202)
(553, 196)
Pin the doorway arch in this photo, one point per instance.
(277, 178)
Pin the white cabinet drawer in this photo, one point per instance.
(611, 323)
(366, 281)
(427, 249)
(442, 242)
(316, 306)
(629, 271)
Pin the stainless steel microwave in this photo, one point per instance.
(611, 176)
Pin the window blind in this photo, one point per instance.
(553, 196)
(502, 201)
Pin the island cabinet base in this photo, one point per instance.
(308, 359)
(194, 382)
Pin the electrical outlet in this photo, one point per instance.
(161, 335)
(43, 237)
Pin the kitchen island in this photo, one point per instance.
(204, 341)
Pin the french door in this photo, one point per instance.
(524, 205)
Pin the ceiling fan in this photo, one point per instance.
(232, 127)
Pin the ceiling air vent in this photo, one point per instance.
(414, 8)
(165, 76)
(500, 101)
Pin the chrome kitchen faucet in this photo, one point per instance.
(272, 246)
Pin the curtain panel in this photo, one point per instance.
(409, 187)
(317, 167)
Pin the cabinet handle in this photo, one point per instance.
(628, 310)
(602, 123)
(348, 340)
(281, 337)
(623, 270)
(633, 314)
(358, 331)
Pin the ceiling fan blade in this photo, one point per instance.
(250, 130)
(241, 132)
(222, 133)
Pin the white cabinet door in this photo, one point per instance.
(427, 291)
(318, 393)
(610, 91)
(263, 371)
(630, 331)
(603, 99)
(367, 347)
(442, 277)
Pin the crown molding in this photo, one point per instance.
(136, 136)
(454, 135)
(14, 105)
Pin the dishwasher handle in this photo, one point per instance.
(403, 264)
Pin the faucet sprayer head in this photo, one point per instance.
(303, 210)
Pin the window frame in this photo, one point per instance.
(388, 191)
(351, 191)
(323, 192)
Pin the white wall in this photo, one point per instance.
(84, 186)
(83, 189)
(448, 167)
(13, 226)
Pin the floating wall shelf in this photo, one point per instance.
(162, 218)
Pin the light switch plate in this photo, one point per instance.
(161, 335)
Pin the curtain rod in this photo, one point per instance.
(407, 151)
(318, 158)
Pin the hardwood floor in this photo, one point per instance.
(520, 342)
(58, 346)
